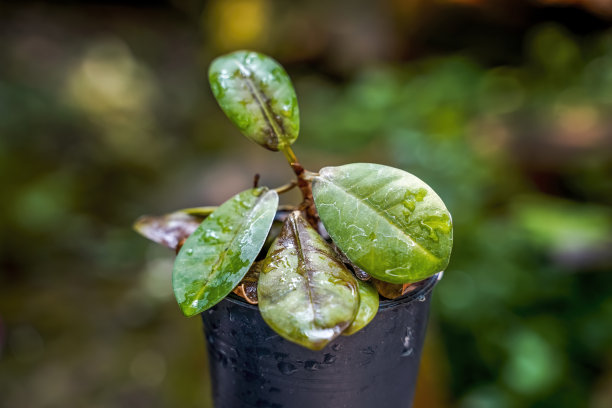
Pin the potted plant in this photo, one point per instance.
(289, 296)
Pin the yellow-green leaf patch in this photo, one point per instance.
(385, 220)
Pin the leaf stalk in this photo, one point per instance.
(286, 187)
(289, 155)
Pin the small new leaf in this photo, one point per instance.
(305, 293)
(385, 220)
(171, 229)
(256, 94)
(215, 258)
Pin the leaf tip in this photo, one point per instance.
(190, 309)
(137, 225)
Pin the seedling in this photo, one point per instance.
(361, 229)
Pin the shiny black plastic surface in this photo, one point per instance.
(377, 367)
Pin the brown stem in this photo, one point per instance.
(304, 183)
(305, 187)
(256, 180)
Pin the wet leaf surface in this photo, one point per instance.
(277, 225)
(256, 94)
(368, 307)
(169, 230)
(387, 221)
(247, 288)
(216, 257)
(305, 293)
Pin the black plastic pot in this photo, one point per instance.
(252, 366)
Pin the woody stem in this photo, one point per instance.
(304, 178)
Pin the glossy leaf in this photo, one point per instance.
(256, 94)
(247, 288)
(215, 258)
(368, 307)
(169, 230)
(305, 293)
(387, 221)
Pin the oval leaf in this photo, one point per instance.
(215, 258)
(256, 94)
(368, 307)
(305, 293)
(387, 221)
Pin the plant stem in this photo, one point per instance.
(289, 155)
(304, 178)
(305, 186)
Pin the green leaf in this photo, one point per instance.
(256, 94)
(386, 221)
(305, 293)
(215, 258)
(368, 307)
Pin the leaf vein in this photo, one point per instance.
(215, 268)
(273, 123)
(379, 214)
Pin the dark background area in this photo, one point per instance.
(503, 107)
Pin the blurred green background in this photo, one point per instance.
(503, 107)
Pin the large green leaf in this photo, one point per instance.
(368, 307)
(218, 254)
(305, 293)
(387, 221)
(256, 94)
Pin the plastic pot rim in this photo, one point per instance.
(384, 304)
